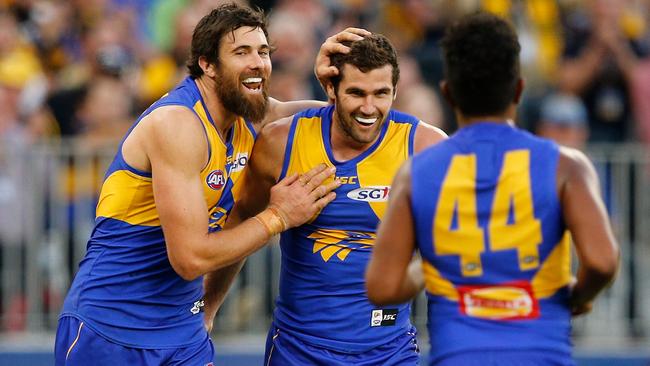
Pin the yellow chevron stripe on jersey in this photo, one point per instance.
(555, 273)
(385, 161)
(436, 284)
(128, 197)
(308, 149)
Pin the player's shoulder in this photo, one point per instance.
(573, 159)
(280, 128)
(574, 165)
(427, 135)
(276, 129)
(170, 117)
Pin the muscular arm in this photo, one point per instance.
(176, 149)
(263, 170)
(261, 174)
(277, 109)
(586, 219)
(388, 277)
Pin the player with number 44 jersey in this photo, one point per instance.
(492, 211)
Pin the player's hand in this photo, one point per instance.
(323, 67)
(580, 309)
(208, 320)
(299, 198)
(577, 306)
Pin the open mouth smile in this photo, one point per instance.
(253, 84)
(365, 121)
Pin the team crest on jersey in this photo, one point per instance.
(370, 194)
(340, 243)
(216, 179)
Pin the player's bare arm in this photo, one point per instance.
(215, 287)
(388, 277)
(427, 135)
(260, 175)
(177, 157)
(586, 219)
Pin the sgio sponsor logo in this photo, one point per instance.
(370, 194)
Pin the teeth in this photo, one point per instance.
(366, 121)
(252, 80)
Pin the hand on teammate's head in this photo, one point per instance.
(335, 44)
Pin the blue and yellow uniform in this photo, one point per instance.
(495, 249)
(322, 300)
(125, 289)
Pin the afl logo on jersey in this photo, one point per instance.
(370, 194)
(215, 179)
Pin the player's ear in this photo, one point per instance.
(208, 68)
(331, 94)
(519, 90)
(444, 90)
(394, 94)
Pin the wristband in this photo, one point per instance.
(272, 220)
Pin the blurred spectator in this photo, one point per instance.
(416, 97)
(604, 43)
(563, 119)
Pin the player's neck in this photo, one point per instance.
(222, 117)
(344, 147)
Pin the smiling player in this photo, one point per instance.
(323, 316)
(137, 298)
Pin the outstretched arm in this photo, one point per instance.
(176, 148)
(391, 278)
(261, 174)
(586, 219)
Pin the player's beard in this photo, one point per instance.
(251, 107)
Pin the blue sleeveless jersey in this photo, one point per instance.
(322, 296)
(496, 255)
(126, 290)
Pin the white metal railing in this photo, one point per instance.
(48, 194)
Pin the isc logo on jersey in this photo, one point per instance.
(216, 180)
(370, 194)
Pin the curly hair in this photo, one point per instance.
(370, 53)
(481, 62)
(211, 28)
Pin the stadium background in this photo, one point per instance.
(74, 74)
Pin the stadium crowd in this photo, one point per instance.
(85, 69)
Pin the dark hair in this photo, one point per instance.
(481, 60)
(212, 27)
(372, 52)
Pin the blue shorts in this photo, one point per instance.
(284, 349)
(505, 358)
(77, 344)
